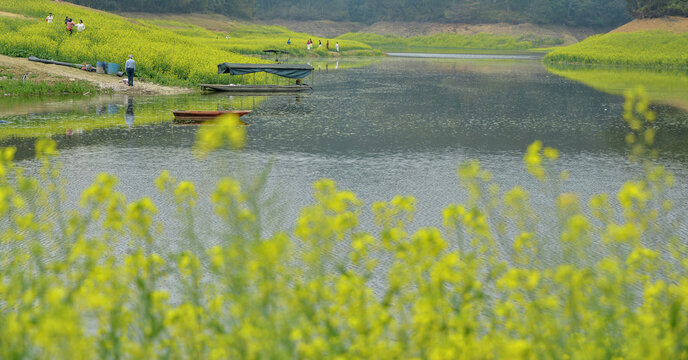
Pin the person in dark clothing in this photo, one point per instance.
(130, 67)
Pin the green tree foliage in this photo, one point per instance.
(595, 13)
(236, 8)
(656, 8)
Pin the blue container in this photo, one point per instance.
(100, 67)
(112, 68)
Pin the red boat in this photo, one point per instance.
(199, 116)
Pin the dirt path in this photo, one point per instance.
(13, 15)
(674, 24)
(103, 81)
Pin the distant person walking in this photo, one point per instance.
(327, 45)
(289, 41)
(80, 26)
(49, 18)
(337, 46)
(70, 26)
(130, 67)
(319, 43)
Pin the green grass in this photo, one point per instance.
(654, 49)
(437, 42)
(250, 39)
(19, 88)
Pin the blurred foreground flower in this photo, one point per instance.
(227, 129)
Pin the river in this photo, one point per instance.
(400, 125)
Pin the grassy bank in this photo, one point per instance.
(19, 88)
(16, 84)
(652, 49)
(480, 41)
(166, 52)
(248, 39)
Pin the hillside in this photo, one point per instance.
(569, 35)
(166, 52)
(674, 24)
(654, 43)
(385, 36)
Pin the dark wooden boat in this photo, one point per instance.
(262, 89)
(200, 116)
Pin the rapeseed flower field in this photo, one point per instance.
(653, 49)
(611, 282)
(481, 41)
(173, 53)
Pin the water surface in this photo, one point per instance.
(397, 126)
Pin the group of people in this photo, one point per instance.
(129, 66)
(69, 23)
(309, 44)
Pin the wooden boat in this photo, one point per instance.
(263, 89)
(296, 72)
(199, 116)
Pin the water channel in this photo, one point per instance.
(400, 125)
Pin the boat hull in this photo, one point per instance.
(196, 117)
(257, 88)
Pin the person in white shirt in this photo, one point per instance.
(337, 46)
(49, 18)
(80, 26)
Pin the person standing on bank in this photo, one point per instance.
(130, 67)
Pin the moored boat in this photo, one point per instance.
(199, 116)
(296, 72)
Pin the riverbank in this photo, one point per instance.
(568, 35)
(653, 43)
(103, 82)
(385, 36)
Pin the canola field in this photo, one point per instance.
(90, 281)
(173, 54)
(482, 41)
(653, 49)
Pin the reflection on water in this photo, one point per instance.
(52, 116)
(398, 126)
(129, 114)
(663, 86)
(469, 56)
